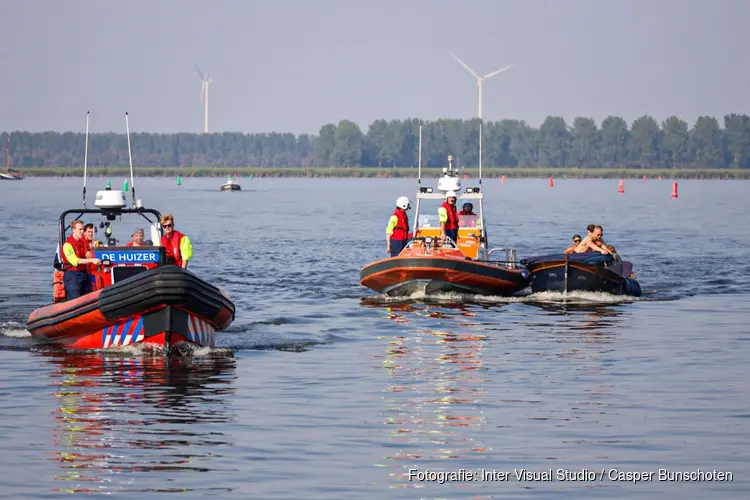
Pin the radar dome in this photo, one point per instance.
(110, 199)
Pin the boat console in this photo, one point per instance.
(118, 261)
(122, 262)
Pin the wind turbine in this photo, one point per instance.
(205, 79)
(480, 79)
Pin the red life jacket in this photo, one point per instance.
(452, 222)
(401, 231)
(172, 246)
(80, 247)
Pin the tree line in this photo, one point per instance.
(506, 143)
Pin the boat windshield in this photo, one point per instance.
(429, 221)
(426, 221)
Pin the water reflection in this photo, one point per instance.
(592, 318)
(435, 390)
(138, 422)
(408, 311)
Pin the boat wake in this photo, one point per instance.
(14, 330)
(576, 297)
(15, 337)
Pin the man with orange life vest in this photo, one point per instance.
(448, 217)
(178, 246)
(75, 262)
(397, 231)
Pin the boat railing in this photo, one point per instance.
(511, 258)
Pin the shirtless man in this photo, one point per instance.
(593, 242)
(589, 231)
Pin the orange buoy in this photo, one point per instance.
(502, 180)
(674, 190)
(660, 177)
(620, 187)
(551, 182)
(644, 178)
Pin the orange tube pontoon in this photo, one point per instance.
(164, 306)
(427, 266)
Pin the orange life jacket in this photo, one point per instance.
(58, 286)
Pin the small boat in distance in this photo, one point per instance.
(10, 174)
(231, 185)
(431, 265)
(136, 296)
(583, 272)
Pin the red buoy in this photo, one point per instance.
(674, 190)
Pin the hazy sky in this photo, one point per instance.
(292, 66)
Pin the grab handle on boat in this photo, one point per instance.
(510, 256)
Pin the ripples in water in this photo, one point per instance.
(119, 416)
(323, 389)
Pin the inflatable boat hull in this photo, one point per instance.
(400, 276)
(166, 306)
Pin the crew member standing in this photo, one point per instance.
(177, 245)
(397, 231)
(75, 262)
(449, 217)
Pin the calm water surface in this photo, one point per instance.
(322, 389)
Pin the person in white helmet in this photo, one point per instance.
(449, 217)
(397, 230)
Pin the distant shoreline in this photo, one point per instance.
(372, 172)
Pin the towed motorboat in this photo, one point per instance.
(428, 264)
(136, 296)
(231, 185)
(584, 272)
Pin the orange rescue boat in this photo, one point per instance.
(136, 297)
(430, 265)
